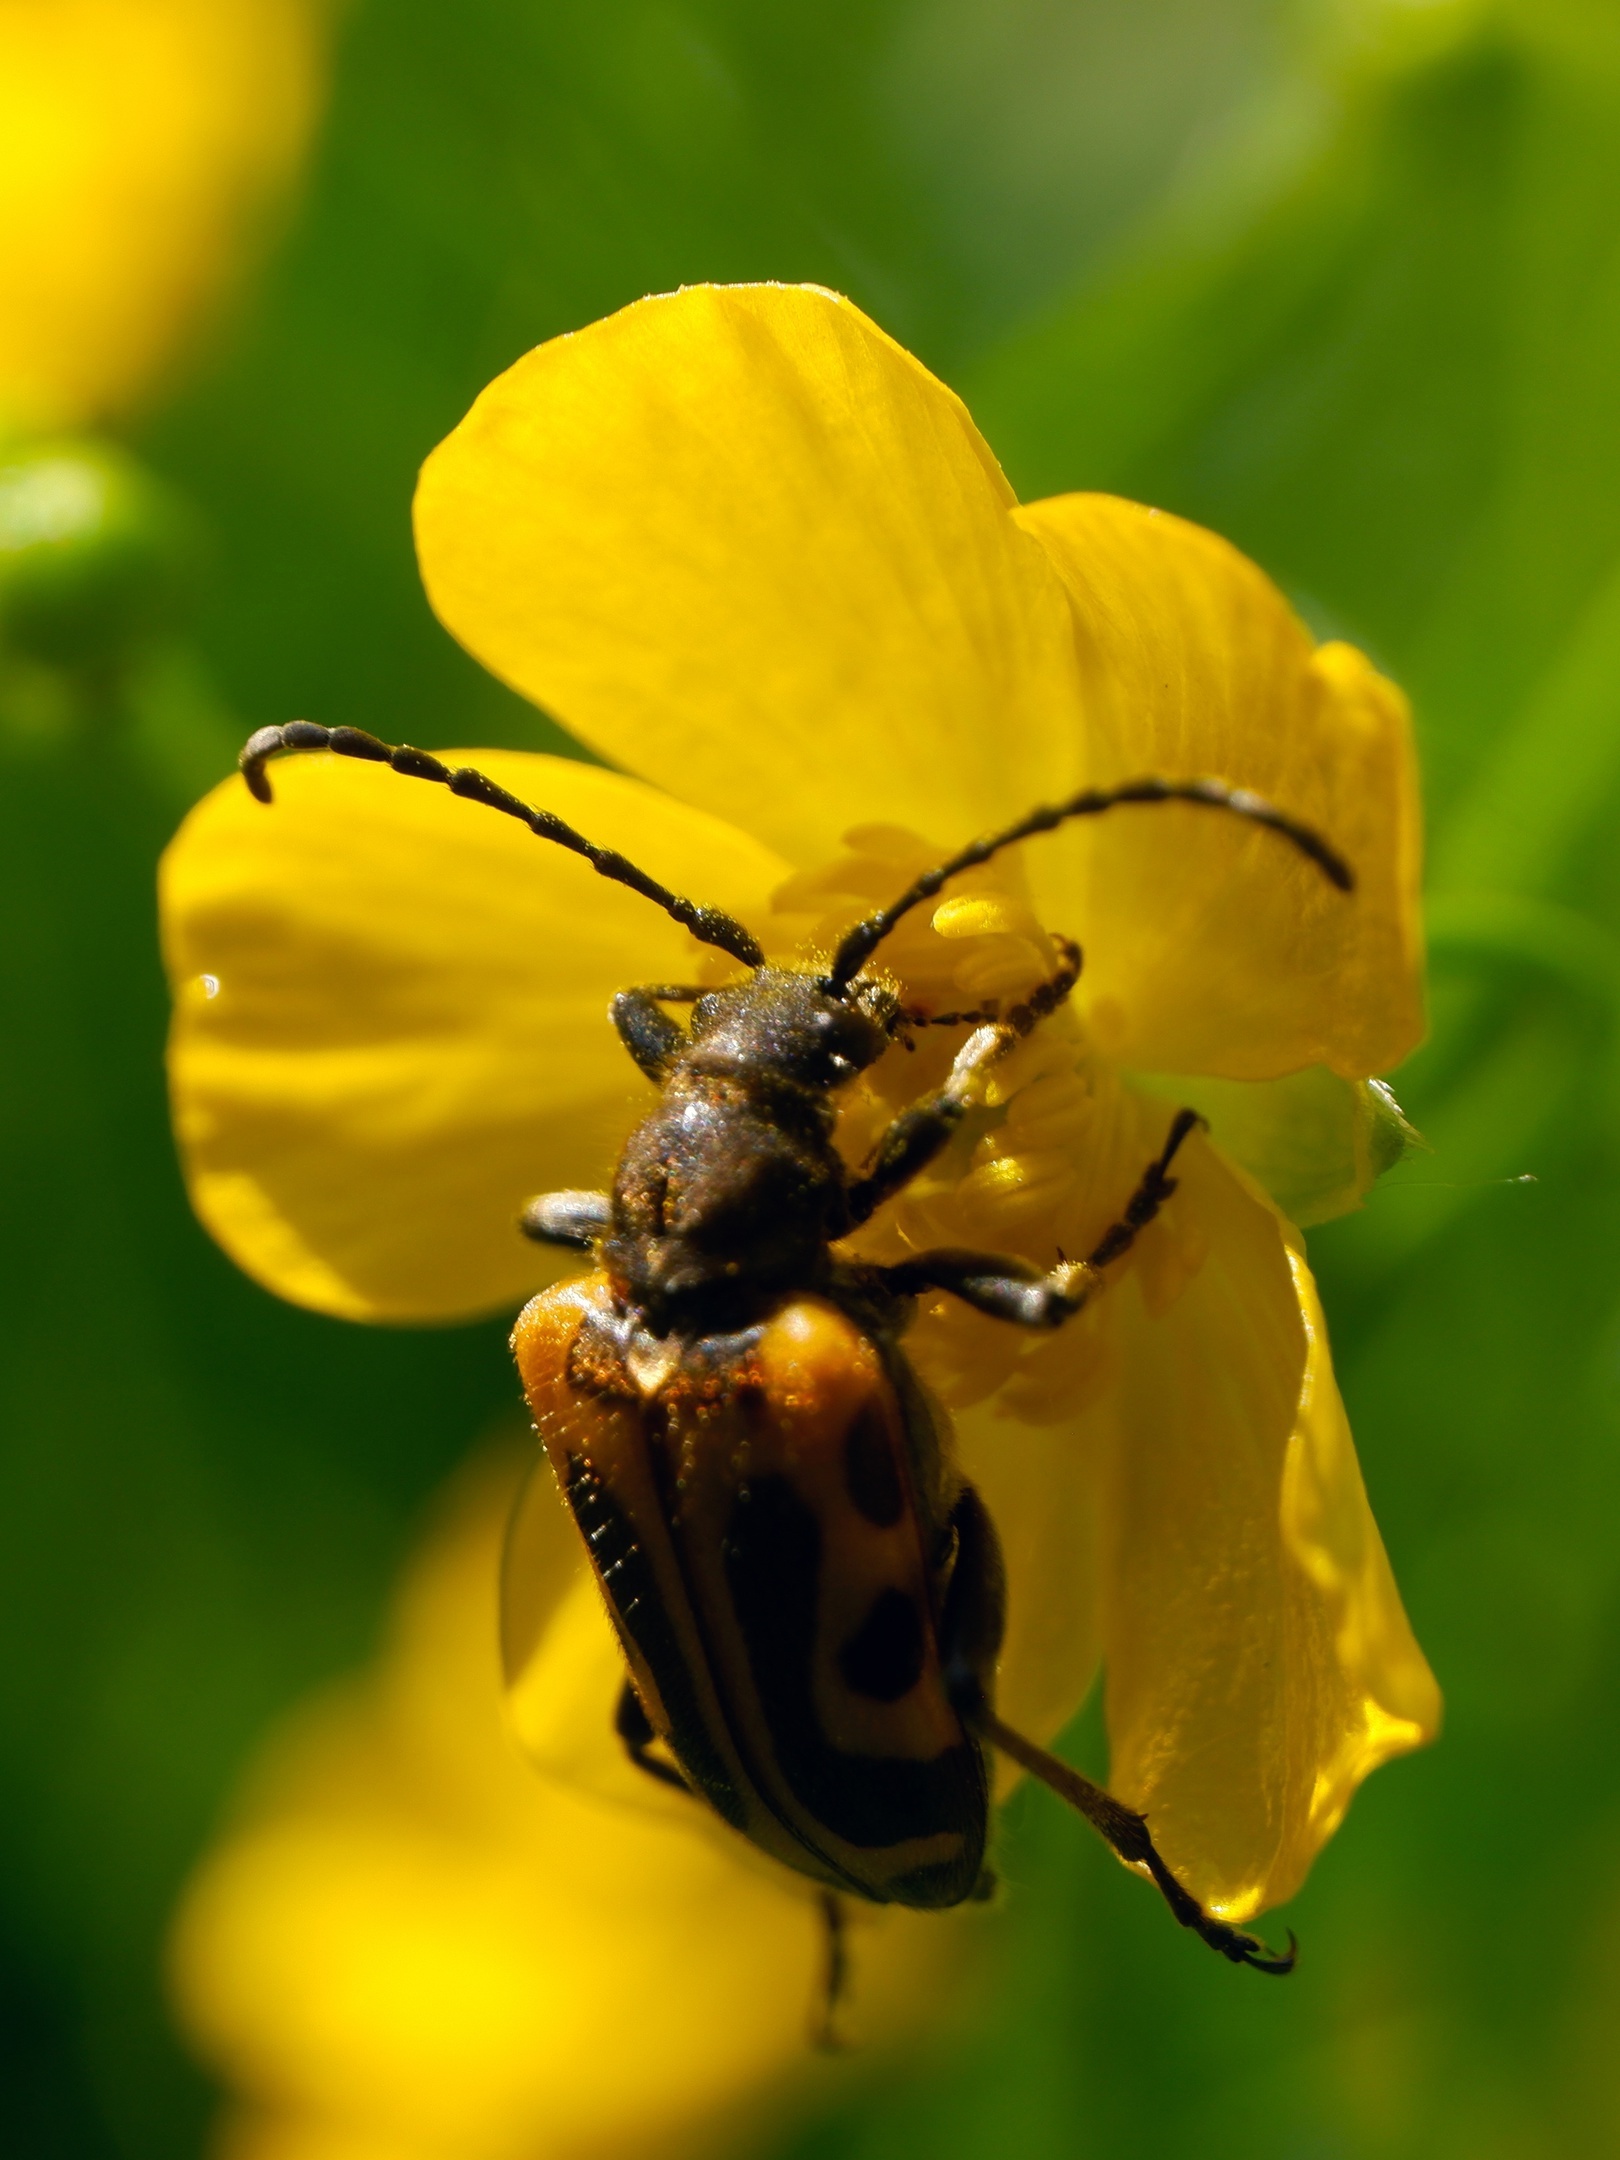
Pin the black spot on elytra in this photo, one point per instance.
(883, 1659)
(871, 1475)
(773, 1561)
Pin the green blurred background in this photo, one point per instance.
(1341, 280)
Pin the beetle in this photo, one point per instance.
(808, 1593)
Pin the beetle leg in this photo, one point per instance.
(1011, 1289)
(918, 1134)
(1127, 1832)
(1021, 1017)
(909, 1145)
(973, 1610)
(1150, 1195)
(652, 1038)
(567, 1218)
(635, 1729)
(995, 1283)
(972, 1617)
(826, 2034)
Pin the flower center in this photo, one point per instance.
(1048, 1162)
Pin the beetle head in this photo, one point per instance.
(795, 1026)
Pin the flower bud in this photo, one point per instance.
(95, 553)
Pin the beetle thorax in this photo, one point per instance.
(732, 1190)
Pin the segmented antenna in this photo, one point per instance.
(862, 941)
(709, 925)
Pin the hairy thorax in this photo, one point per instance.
(727, 1195)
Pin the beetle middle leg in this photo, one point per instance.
(635, 1729)
(1015, 1290)
(972, 1619)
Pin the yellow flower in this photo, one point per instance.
(135, 135)
(739, 541)
(407, 1947)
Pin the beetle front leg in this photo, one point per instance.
(652, 1038)
(918, 1134)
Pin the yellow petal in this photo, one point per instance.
(1042, 1492)
(1217, 948)
(390, 1018)
(1259, 1662)
(410, 1947)
(744, 545)
(134, 134)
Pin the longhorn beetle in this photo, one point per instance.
(808, 1593)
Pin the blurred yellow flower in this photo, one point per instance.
(407, 1946)
(738, 540)
(136, 137)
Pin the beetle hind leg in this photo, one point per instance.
(972, 1619)
(826, 2031)
(635, 1729)
(1127, 1832)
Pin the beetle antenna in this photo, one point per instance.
(862, 941)
(710, 926)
